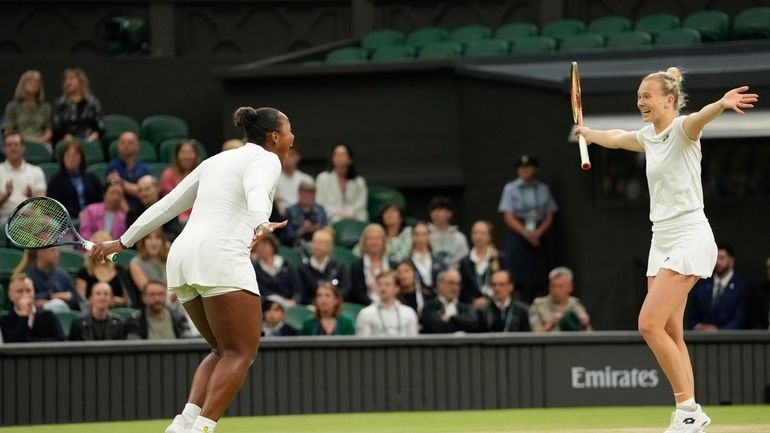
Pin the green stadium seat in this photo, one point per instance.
(157, 128)
(393, 53)
(518, 30)
(123, 313)
(312, 63)
(677, 37)
(291, 255)
(656, 23)
(99, 170)
(65, 320)
(157, 168)
(36, 153)
(343, 255)
(49, 169)
(380, 195)
(426, 35)
(147, 151)
(125, 256)
(470, 33)
(487, 48)
(168, 147)
(71, 261)
(440, 50)
(581, 42)
(382, 37)
(348, 231)
(347, 55)
(610, 24)
(116, 124)
(632, 39)
(296, 315)
(561, 28)
(4, 243)
(351, 310)
(712, 25)
(752, 23)
(533, 45)
(9, 258)
(5, 303)
(92, 149)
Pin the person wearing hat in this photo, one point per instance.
(527, 207)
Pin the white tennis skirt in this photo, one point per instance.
(685, 244)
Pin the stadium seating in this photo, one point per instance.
(487, 48)
(71, 260)
(343, 255)
(124, 313)
(677, 37)
(65, 320)
(380, 195)
(752, 23)
(427, 35)
(116, 124)
(712, 25)
(99, 170)
(351, 310)
(347, 55)
(393, 53)
(470, 33)
(656, 23)
(517, 30)
(560, 28)
(93, 151)
(581, 42)
(382, 38)
(296, 315)
(147, 151)
(291, 255)
(157, 128)
(533, 45)
(440, 50)
(49, 169)
(35, 152)
(632, 39)
(609, 24)
(157, 168)
(168, 147)
(9, 258)
(348, 231)
(4, 302)
(125, 256)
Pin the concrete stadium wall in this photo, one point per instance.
(108, 381)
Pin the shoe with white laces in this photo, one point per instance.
(688, 422)
(178, 425)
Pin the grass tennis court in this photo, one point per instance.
(727, 419)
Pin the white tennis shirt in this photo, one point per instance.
(230, 193)
(673, 171)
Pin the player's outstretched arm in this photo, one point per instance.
(611, 139)
(736, 100)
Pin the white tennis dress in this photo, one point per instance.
(682, 239)
(230, 193)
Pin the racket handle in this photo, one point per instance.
(585, 163)
(113, 257)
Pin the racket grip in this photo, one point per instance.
(585, 163)
(113, 257)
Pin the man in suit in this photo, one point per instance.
(719, 302)
(322, 267)
(503, 313)
(445, 314)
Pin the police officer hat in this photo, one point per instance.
(526, 160)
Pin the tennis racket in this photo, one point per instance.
(42, 222)
(577, 114)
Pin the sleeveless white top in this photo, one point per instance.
(673, 171)
(230, 193)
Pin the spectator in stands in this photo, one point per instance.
(427, 264)
(287, 190)
(122, 291)
(719, 302)
(19, 180)
(305, 217)
(558, 311)
(147, 188)
(386, 317)
(527, 207)
(276, 277)
(150, 262)
(446, 240)
(106, 215)
(54, 289)
(446, 314)
(28, 114)
(327, 318)
(97, 323)
(340, 190)
(398, 235)
(274, 326)
(184, 161)
(156, 321)
(478, 266)
(503, 313)
(412, 293)
(373, 262)
(72, 185)
(126, 168)
(77, 113)
(25, 322)
(759, 315)
(322, 267)
(232, 143)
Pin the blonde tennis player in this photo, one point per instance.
(682, 248)
(208, 266)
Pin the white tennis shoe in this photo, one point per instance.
(688, 422)
(178, 425)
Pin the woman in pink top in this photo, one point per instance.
(184, 161)
(106, 215)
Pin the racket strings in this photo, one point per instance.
(38, 223)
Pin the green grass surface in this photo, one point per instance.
(726, 419)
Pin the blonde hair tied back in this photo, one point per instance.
(671, 84)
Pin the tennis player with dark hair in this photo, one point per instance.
(208, 266)
(682, 248)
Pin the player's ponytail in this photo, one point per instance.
(671, 84)
(257, 123)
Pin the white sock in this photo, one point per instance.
(687, 405)
(190, 414)
(203, 425)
